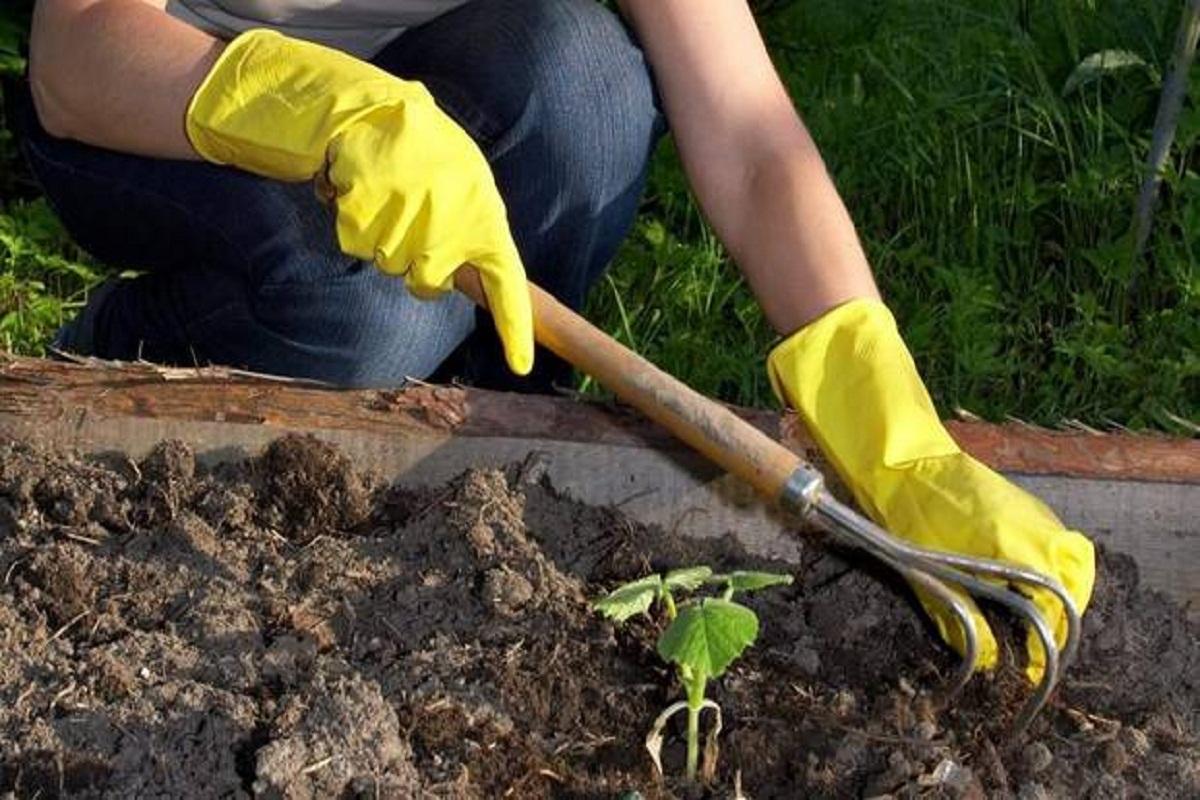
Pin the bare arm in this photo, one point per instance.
(117, 73)
(754, 167)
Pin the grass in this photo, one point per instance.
(994, 194)
(991, 160)
(44, 277)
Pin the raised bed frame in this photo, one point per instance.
(1138, 494)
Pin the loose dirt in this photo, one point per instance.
(289, 627)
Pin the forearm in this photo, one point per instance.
(117, 74)
(754, 168)
(785, 225)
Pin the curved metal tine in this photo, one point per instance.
(1017, 603)
(1009, 573)
(958, 570)
(1020, 575)
(1024, 608)
(949, 599)
(935, 587)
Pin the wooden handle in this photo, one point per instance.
(713, 430)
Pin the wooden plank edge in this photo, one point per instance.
(39, 388)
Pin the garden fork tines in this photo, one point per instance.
(938, 573)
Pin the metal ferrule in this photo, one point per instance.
(802, 490)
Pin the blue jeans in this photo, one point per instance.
(246, 272)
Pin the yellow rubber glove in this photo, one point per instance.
(856, 387)
(413, 192)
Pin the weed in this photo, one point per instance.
(703, 636)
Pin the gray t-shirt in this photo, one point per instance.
(360, 27)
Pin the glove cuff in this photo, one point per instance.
(855, 385)
(272, 104)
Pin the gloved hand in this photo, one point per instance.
(413, 192)
(856, 387)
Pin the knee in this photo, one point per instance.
(588, 96)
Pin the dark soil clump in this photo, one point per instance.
(288, 627)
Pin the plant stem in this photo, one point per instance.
(693, 740)
(694, 685)
(1173, 93)
(669, 602)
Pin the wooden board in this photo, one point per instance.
(1139, 494)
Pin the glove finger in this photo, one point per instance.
(389, 231)
(1073, 563)
(378, 236)
(431, 274)
(354, 238)
(503, 280)
(355, 218)
(1050, 610)
(952, 632)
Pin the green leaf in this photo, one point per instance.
(655, 233)
(1102, 63)
(741, 581)
(629, 599)
(688, 578)
(708, 636)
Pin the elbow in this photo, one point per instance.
(47, 83)
(785, 169)
(50, 113)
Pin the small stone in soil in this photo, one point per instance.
(925, 730)
(170, 460)
(1136, 742)
(506, 591)
(1033, 791)
(1114, 757)
(1108, 787)
(1036, 757)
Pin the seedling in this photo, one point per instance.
(703, 636)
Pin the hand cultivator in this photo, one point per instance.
(939, 573)
(784, 477)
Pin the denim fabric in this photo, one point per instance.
(244, 271)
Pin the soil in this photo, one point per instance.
(290, 627)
